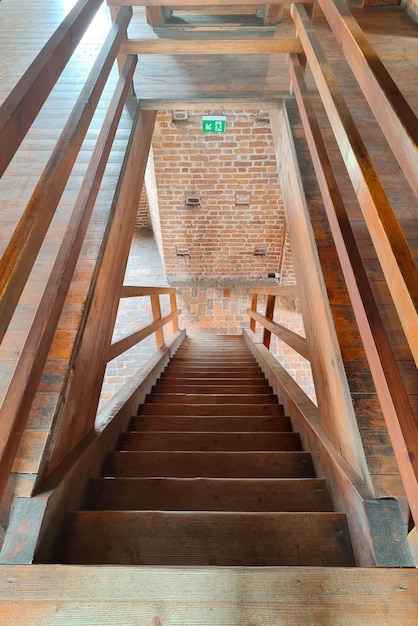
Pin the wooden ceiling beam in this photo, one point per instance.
(221, 102)
(286, 45)
(192, 3)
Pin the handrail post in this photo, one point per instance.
(271, 301)
(254, 298)
(173, 308)
(156, 315)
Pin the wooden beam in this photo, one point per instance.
(192, 3)
(286, 291)
(393, 396)
(128, 342)
(395, 257)
(396, 118)
(25, 243)
(273, 14)
(62, 594)
(211, 46)
(131, 291)
(24, 102)
(334, 399)
(270, 304)
(295, 341)
(22, 389)
(266, 101)
(82, 396)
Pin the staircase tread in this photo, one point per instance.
(192, 440)
(225, 494)
(208, 538)
(217, 464)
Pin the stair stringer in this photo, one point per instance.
(377, 529)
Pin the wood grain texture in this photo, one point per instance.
(210, 464)
(208, 494)
(388, 238)
(18, 400)
(25, 101)
(212, 47)
(284, 596)
(391, 109)
(216, 539)
(209, 424)
(25, 243)
(211, 442)
(101, 309)
(387, 377)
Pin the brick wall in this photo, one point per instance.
(240, 210)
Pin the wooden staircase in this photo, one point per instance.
(210, 473)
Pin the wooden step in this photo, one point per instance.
(204, 370)
(209, 424)
(204, 441)
(239, 373)
(207, 538)
(229, 388)
(210, 464)
(216, 398)
(207, 360)
(241, 410)
(208, 494)
(258, 383)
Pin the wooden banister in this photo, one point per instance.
(389, 241)
(396, 118)
(295, 341)
(23, 104)
(396, 408)
(23, 386)
(25, 243)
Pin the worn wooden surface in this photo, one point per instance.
(327, 366)
(127, 596)
(208, 494)
(377, 528)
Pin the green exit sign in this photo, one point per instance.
(214, 123)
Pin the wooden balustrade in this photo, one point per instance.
(388, 380)
(25, 243)
(16, 116)
(392, 249)
(157, 325)
(23, 104)
(18, 401)
(270, 327)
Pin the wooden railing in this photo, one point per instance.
(157, 324)
(295, 341)
(16, 116)
(400, 127)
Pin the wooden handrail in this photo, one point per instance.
(389, 241)
(396, 118)
(17, 403)
(396, 408)
(295, 341)
(23, 104)
(292, 339)
(131, 291)
(124, 344)
(212, 46)
(25, 243)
